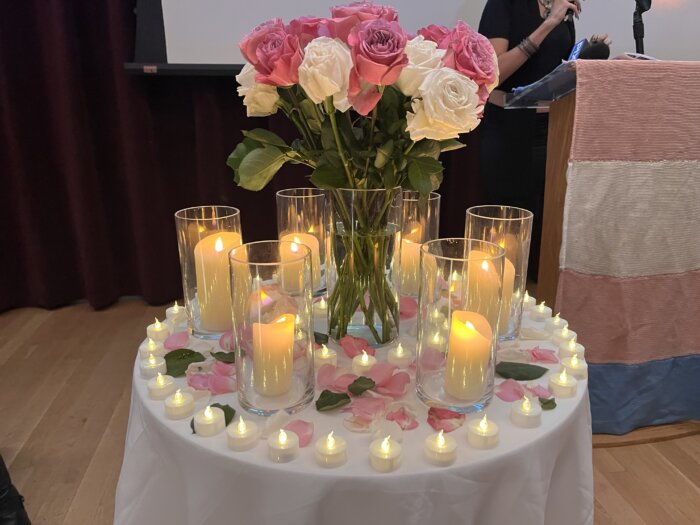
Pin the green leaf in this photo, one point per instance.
(548, 403)
(426, 148)
(265, 136)
(311, 115)
(384, 153)
(177, 361)
(424, 174)
(328, 401)
(327, 136)
(236, 157)
(321, 339)
(328, 177)
(229, 414)
(259, 166)
(451, 145)
(389, 175)
(224, 357)
(360, 384)
(519, 371)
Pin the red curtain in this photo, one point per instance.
(94, 162)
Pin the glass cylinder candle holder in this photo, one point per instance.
(459, 304)
(303, 217)
(421, 223)
(273, 329)
(205, 236)
(510, 228)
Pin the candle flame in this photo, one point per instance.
(470, 326)
(157, 323)
(399, 350)
(282, 438)
(219, 245)
(385, 446)
(322, 304)
(440, 439)
(436, 338)
(298, 319)
(436, 313)
(178, 398)
(176, 307)
(517, 294)
(455, 275)
(574, 361)
(541, 307)
(324, 351)
(557, 319)
(330, 441)
(242, 427)
(483, 424)
(152, 360)
(526, 297)
(208, 414)
(565, 331)
(572, 345)
(295, 247)
(527, 406)
(311, 229)
(485, 266)
(563, 378)
(160, 381)
(364, 358)
(151, 344)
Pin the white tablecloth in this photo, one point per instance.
(534, 476)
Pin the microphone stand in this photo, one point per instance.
(638, 30)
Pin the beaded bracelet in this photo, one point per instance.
(528, 47)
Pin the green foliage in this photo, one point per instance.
(361, 384)
(259, 166)
(177, 361)
(328, 401)
(519, 371)
(224, 357)
(548, 403)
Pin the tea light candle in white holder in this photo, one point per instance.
(331, 451)
(564, 335)
(554, 323)
(160, 387)
(179, 405)
(540, 312)
(157, 331)
(325, 356)
(440, 450)
(482, 433)
(282, 446)
(575, 366)
(152, 366)
(321, 306)
(209, 422)
(176, 314)
(525, 413)
(149, 346)
(242, 435)
(384, 454)
(528, 302)
(570, 348)
(361, 364)
(400, 357)
(562, 385)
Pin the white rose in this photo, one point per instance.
(325, 71)
(260, 100)
(448, 105)
(423, 56)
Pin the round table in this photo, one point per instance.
(544, 475)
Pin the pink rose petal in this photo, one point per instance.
(326, 375)
(542, 355)
(177, 340)
(396, 386)
(303, 429)
(509, 390)
(221, 384)
(539, 391)
(223, 369)
(405, 420)
(408, 307)
(366, 409)
(431, 359)
(342, 382)
(198, 381)
(226, 341)
(445, 420)
(381, 372)
(354, 345)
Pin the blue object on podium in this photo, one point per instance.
(546, 90)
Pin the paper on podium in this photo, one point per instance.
(546, 90)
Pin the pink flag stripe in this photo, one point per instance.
(637, 110)
(635, 320)
(630, 219)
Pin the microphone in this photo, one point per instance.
(595, 51)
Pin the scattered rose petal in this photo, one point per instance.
(177, 340)
(354, 424)
(226, 341)
(408, 307)
(342, 382)
(366, 409)
(539, 391)
(220, 368)
(198, 381)
(200, 367)
(509, 390)
(431, 359)
(303, 429)
(381, 372)
(405, 419)
(221, 384)
(396, 386)
(354, 345)
(445, 420)
(542, 355)
(326, 376)
(383, 428)
(274, 423)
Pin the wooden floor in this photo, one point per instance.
(65, 379)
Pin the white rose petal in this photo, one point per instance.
(448, 105)
(260, 100)
(423, 57)
(325, 71)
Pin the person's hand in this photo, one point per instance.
(601, 38)
(561, 7)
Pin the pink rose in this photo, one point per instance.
(436, 33)
(306, 28)
(345, 17)
(274, 52)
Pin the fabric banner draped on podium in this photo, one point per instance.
(630, 254)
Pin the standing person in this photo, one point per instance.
(531, 38)
(11, 503)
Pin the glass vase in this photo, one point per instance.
(364, 282)
(459, 304)
(273, 326)
(511, 229)
(205, 235)
(421, 223)
(303, 217)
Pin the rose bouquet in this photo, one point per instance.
(374, 107)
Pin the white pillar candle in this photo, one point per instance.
(410, 266)
(160, 387)
(540, 312)
(562, 385)
(325, 356)
(525, 413)
(151, 366)
(528, 302)
(400, 357)
(484, 285)
(384, 454)
(570, 348)
(209, 422)
(179, 405)
(331, 451)
(362, 363)
(440, 450)
(554, 323)
(468, 356)
(176, 314)
(311, 242)
(508, 284)
(273, 347)
(564, 335)
(482, 433)
(157, 331)
(293, 267)
(149, 346)
(575, 367)
(282, 446)
(242, 435)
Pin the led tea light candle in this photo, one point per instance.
(179, 405)
(152, 366)
(311, 242)
(149, 347)
(160, 387)
(362, 363)
(482, 433)
(468, 355)
(554, 323)
(525, 413)
(384, 454)
(562, 385)
(209, 422)
(541, 312)
(575, 366)
(325, 356)
(564, 335)
(157, 331)
(570, 348)
(440, 450)
(321, 306)
(528, 302)
(242, 435)
(176, 314)
(331, 451)
(273, 346)
(282, 446)
(400, 357)
(437, 340)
